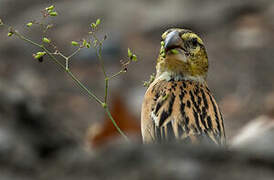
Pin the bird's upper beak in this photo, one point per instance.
(173, 40)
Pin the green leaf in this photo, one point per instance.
(49, 26)
(46, 40)
(39, 55)
(131, 56)
(98, 21)
(74, 43)
(146, 84)
(134, 58)
(162, 43)
(93, 25)
(174, 51)
(84, 42)
(151, 79)
(129, 53)
(95, 42)
(29, 24)
(88, 45)
(162, 52)
(50, 8)
(53, 13)
(10, 34)
(104, 105)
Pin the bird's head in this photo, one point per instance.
(182, 55)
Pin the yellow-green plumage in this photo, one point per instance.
(178, 104)
(197, 61)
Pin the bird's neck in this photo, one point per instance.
(171, 75)
(170, 68)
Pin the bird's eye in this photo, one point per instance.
(194, 41)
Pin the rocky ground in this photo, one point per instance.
(135, 161)
(44, 118)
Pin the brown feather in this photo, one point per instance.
(181, 110)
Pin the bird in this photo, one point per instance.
(178, 105)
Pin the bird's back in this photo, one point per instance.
(181, 110)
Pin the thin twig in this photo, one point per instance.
(114, 123)
(26, 39)
(62, 55)
(74, 53)
(99, 56)
(117, 74)
(106, 89)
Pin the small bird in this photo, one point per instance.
(178, 104)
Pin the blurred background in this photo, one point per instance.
(42, 111)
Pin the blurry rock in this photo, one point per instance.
(10, 93)
(15, 151)
(45, 138)
(160, 161)
(258, 133)
(26, 122)
(32, 82)
(250, 32)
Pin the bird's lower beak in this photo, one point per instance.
(173, 40)
(174, 46)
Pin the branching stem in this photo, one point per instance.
(65, 68)
(117, 74)
(74, 53)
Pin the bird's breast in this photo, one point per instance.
(180, 109)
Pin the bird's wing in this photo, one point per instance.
(182, 110)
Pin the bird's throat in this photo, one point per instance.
(175, 69)
(169, 75)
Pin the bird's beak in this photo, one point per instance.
(173, 40)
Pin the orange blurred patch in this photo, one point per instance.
(102, 133)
